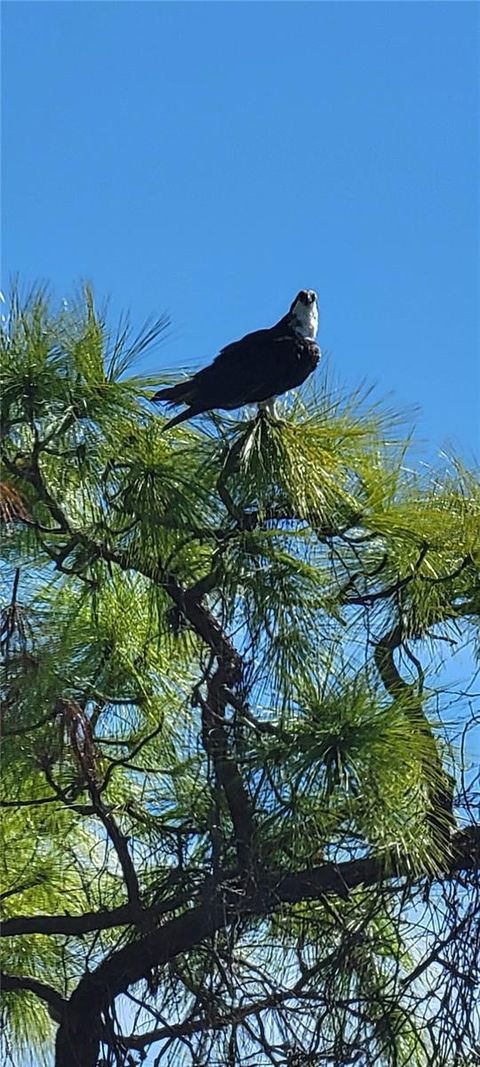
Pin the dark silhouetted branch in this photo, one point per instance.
(79, 1036)
(14, 983)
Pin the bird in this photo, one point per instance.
(254, 370)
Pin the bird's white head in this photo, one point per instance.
(304, 312)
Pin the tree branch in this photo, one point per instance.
(219, 1021)
(228, 674)
(441, 791)
(80, 1034)
(13, 983)
(73, 925)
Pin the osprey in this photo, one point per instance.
(256, 369)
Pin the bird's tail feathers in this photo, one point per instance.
(178, 418)
(174, 394)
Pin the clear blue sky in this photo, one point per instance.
(213, 158)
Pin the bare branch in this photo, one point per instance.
(89, 921)
(13, 983)
(81, 1027)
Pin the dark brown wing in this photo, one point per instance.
(260, 366)
(255, 369)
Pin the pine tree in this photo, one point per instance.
(238, 802)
